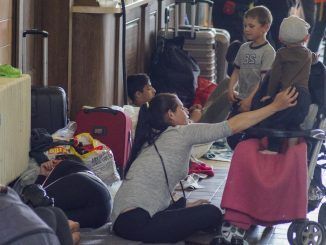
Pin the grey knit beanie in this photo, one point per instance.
(293, 30)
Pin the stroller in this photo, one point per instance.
(257, 182)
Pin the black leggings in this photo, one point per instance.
(168, 226)
(82, 198)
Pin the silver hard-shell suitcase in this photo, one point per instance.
(222, 38)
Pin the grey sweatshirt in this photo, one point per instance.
(145, 185)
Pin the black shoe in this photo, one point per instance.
(237, 241)
(218, 240)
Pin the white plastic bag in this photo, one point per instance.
(65, 133)
(99, 158)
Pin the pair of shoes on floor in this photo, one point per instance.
(198, 167)
(230, 234)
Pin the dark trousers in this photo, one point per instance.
(290, 118)
(57, 220)
(168, 226)
(82, 198)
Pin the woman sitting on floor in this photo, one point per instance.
(142, 209)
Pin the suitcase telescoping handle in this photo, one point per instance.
(100, 109)
(210, 5)
(207, 17)
(192, 18)
(44, 35)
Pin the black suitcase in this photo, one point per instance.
(49, 103)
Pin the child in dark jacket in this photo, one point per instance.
(291, 68)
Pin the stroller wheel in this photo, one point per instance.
(292, 231)
(322, 215)
(310, 232)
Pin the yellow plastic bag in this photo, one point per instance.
(98, 157)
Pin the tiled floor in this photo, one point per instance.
(213, 190)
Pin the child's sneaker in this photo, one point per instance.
(233, 234)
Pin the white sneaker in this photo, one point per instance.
(229, 231)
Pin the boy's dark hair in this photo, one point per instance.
(261, 13)
(136, 82)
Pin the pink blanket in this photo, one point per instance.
(265, 189)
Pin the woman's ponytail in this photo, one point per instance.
(141, 134)
(151, 123)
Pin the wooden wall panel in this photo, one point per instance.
(55, 20)
(6, 9)
(5, 31)
(151, 30)
(133, 41)
(93, 67)
(5, 54)
(52, 16)
(33, 52)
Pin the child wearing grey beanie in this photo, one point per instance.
(291, 67)
(292, 63)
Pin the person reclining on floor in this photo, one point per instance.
(159, 160)
(82, 196)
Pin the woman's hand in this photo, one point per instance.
(245, 105)
(232, 95)
(285, 99)
(46, 167)
(197, 203)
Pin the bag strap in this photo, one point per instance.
(299, 70)
(166, 176)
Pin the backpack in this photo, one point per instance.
(173, 70)
(19, 224)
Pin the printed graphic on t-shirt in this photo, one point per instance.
(249, 59)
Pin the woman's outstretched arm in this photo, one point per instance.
(283, 100)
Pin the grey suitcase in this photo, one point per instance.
(222, 42)
(222, 37)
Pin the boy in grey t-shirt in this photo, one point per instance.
(254, 58)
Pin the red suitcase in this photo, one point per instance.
(111, 127)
